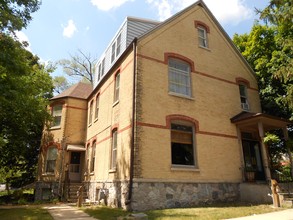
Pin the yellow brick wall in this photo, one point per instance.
(113, 115)
(215, 99)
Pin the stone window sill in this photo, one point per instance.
(184, 168)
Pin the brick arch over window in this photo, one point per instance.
(169, 55)
(202, 24)
(240, 80)
(170, 118)
(57, 103)
(51, 144)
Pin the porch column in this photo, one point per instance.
(285, 132)
(264, 151)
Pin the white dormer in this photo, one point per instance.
(130, 29)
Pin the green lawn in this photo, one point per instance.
(201, 213)
(24, 213)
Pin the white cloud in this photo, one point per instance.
(106, 5)
(228, 11)
(70, 29)
(21, 37)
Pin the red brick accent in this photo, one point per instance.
(202, 24)
(240, 80)
(170, 118)
(168, 55)
(51, 144)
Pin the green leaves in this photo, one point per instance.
(25, 86)
(15, 14)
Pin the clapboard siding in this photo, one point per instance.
(130, 29)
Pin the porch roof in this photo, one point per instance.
(270, 122)
(73, 147)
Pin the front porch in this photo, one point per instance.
(255, 159)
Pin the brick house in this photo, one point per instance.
(173, 120)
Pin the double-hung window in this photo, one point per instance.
(202, 37)
(91, 112)
(118, 46)
(93, 158)
(113, 56)
(179, 77)
(57, 113)
(114, 150)
(182, 144)
(243, 97)
(117, 87)
(51, 159)
(97, 106)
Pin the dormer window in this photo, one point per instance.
(116, 47)
(243, 97)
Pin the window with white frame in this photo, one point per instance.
(113, 55)
(202, 37)
(93, 157)
(243, 97)
(97, 106)
(114, 150)
(118, 47)
(179, 77)
(88, 156)
(103, 67)
(91, 112)
(51, 159)
(57, 114)
(182, 144)
(117, 87)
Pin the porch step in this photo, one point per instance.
(72, 192)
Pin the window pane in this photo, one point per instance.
(114, 150)
(113, 52)
(202, 37)
(179, 77)
(182, 154)
(97, 106)
(182, 144)
(118, 45)
(52, 153)
(117, 87)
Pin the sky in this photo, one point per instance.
(62, 27)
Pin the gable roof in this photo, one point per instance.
(79, 91)
(201, 3)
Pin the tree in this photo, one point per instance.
(269, 50)
(15, 14)
(60, 84)
(25, 87)
(80, 65)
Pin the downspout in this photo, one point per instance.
(128, 201)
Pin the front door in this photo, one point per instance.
(74, 167)
(253, 159)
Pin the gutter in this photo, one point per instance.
(128, 201)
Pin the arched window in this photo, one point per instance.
(179, 77)
(114, 150)
(183, 143)
(97, 106)
(51, 159)
(117, 87)
(91, 112)
(57, 114)
(243, 97)
(93, 158)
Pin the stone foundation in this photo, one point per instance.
(46, 190)
(113, 194)
(147, 196)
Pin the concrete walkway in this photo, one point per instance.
(278, 215)
(65, 211)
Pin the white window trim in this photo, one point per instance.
(204, 38)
